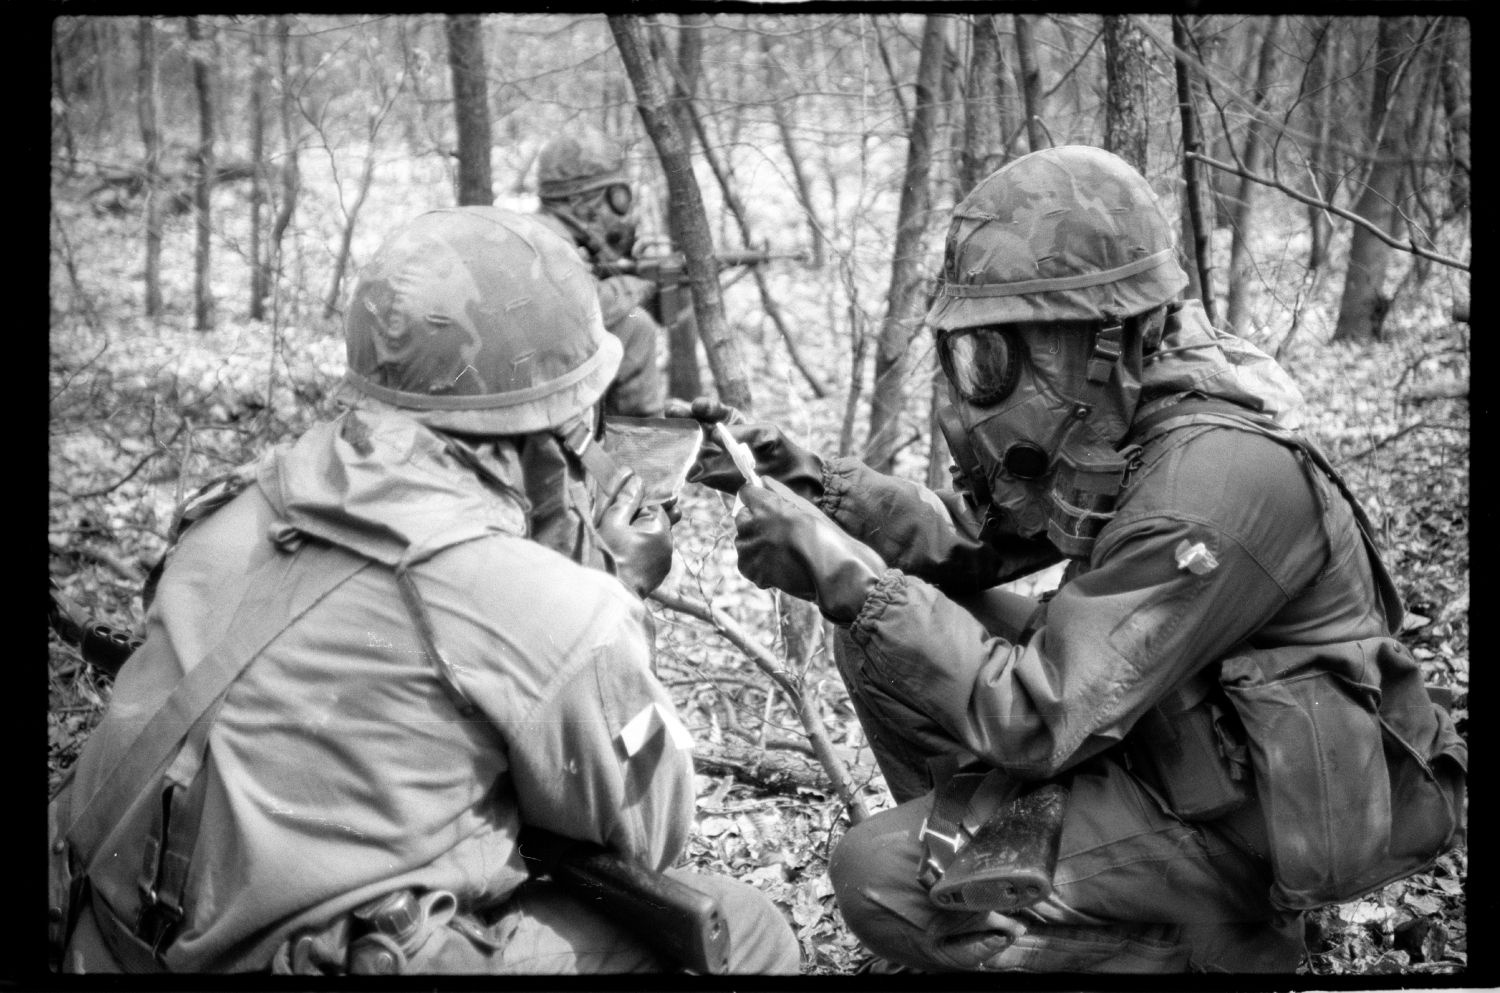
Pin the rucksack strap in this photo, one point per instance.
(264, 612)
(1222, 413)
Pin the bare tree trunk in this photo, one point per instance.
(1009, 94)
(1364, 303)
(892, 75)
(367, 175)
(737, 211)
(1196, 227)
(1241, 264)
(1319, 120)
(781, 108)
(690, 28)
(471, 108)
(893, 356)
(686, 217)
(1125, 72)
(259, 83)
(1455, 79)
(1209, 47)
(203, 301)
(149, 107)
(60, 103)
(1031, 82)
(984, 133)
(684, 376)
(291, 179)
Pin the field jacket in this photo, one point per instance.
(338, 766)
(1229, 550)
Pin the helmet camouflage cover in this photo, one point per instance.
(481, 321)
(1067, 233)
(576, 163)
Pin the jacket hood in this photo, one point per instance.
(1195, 358)
(385, 487)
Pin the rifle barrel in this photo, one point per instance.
(723, 260)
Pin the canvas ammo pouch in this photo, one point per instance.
(403, 932)
(1191, 748)
(1359, 774)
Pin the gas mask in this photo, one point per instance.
(604, 218)
(1040, 410)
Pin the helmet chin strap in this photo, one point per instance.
(1109, 345)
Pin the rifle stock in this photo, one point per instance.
(678, 921)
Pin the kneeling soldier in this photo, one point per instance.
(398, 641)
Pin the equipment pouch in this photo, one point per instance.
(1191, 748)
(403, 932)
(1360, 775)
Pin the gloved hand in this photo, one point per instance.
(785, 542)
(639, 540)
(775, 456)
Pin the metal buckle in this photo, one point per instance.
(158, 922)
(935, 862)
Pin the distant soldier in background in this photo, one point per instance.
(587, 197)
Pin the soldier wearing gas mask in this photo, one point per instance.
(586, 196)
(1215, 685)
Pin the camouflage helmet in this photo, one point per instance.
(576, 163)
(481, 321)
(1061, 234)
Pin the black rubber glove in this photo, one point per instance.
(775, 456)
(639, 540)
(786, 543)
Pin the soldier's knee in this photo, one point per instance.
(873, 872)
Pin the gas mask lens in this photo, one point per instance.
(619, 198)
(1025, 460)
(982, 363)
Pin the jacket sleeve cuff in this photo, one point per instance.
(837, 483)
(889, 589)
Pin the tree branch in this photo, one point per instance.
(1406, 246)
(1419, 426)
(805, 703)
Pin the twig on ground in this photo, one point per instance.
(1419, 426)
(113, 562)
(805, 703)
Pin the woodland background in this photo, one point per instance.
(217, 181)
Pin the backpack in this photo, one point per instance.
(1361, 775)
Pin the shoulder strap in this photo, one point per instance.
(1221, 413)
(272, 602)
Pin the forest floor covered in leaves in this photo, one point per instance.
(142, 412)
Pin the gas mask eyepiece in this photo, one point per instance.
(982, 363)
(1026, 460)
(619, 198)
